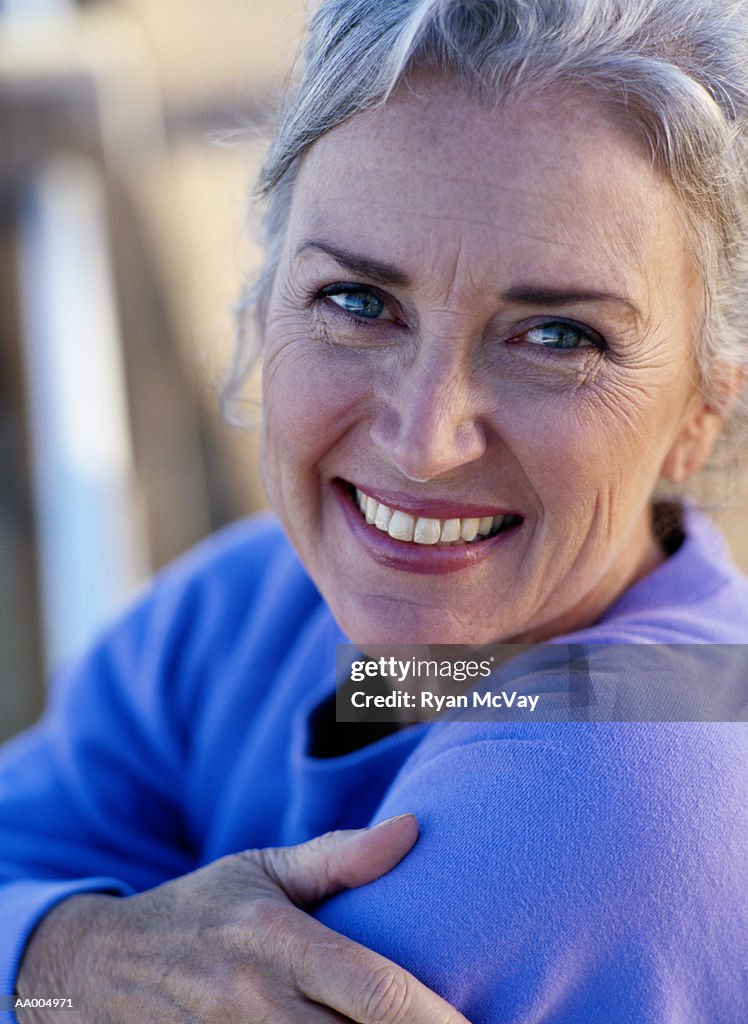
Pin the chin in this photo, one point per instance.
(405, 624)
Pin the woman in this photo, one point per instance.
(502, 304)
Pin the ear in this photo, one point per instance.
(701, 426)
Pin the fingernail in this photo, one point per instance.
(388, 821)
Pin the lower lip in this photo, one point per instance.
(434, 559)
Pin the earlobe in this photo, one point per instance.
(698, 434)
(693, 445)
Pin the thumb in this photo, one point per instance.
(340, 860)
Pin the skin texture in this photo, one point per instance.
(442, 397)
(231, 943)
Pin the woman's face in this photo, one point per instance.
(481, 319)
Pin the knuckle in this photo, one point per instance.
(266, 918)
(267, 860)
(387, 997)
(255, 864)
(246, 992)
(252, 932)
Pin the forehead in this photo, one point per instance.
(559, 183)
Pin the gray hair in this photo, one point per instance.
(677, 68)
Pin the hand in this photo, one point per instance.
(231, 943)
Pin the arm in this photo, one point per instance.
(91, 799)
(87, 798)
(228, 943)
(570, 872)
(91, 806)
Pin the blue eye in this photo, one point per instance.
(562, 335)
(358, 302)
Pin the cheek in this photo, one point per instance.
(591, 444)
(310, 398)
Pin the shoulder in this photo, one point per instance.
(562, 866)
(236, 602)
(243, 554)
(227, 578)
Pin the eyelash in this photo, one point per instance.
(597, 341)
(344, 288)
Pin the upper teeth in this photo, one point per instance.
(421, 530)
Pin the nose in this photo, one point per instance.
(428, 424)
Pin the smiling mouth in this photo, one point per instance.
(422, 530)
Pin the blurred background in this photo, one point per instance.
(131, 132)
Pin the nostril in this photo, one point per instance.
(428, 439)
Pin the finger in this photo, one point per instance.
(364, 986)
(339, 860)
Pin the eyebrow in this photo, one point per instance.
(364, 266)
(530, 295)
(520, 295)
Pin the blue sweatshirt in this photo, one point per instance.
(566, 871)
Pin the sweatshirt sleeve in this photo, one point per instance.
(569, 872)
(89, 797)
(93, 797)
